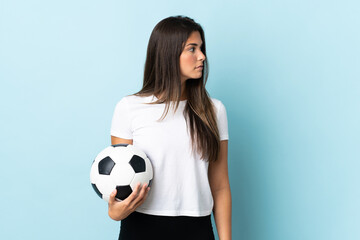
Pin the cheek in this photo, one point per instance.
(186, 61)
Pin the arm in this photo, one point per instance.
(116, 140)
(220, 189)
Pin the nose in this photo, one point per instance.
(201, 56)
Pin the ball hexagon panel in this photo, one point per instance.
(149, 168)
(94, 172)
(122, 174)
(121, 154)
(104, 184)
(137, 151)
(103, 154)
(142, 178)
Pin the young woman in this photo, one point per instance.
(184, 133)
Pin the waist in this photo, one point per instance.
(158, 220)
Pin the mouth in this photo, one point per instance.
(201, 66)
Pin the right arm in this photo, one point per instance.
(120, 210)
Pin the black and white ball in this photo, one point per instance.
(120, 166)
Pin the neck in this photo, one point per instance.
(183, 92)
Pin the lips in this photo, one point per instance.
(201, 66)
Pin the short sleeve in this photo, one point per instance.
(121, 123)
(222, 122)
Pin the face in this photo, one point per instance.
(192, 58)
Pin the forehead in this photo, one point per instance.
(194, 38)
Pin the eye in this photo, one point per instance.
(192, 49)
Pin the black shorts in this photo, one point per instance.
(138, 226)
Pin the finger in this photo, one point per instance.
(144, 197)
(112, 197)
(134, 194)
(146, 192)
(141, 195)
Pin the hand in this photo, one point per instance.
(120, 210)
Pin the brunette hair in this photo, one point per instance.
(162, 78)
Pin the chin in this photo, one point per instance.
(197, 75)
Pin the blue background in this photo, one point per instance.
(287, 71)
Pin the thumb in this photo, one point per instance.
(112, 196)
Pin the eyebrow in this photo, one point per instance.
(193, 44)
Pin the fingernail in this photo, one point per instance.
(113, 192)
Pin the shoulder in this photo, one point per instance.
(216, 101)
(217, 104)
(133, 99)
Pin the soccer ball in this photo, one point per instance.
(120, 166)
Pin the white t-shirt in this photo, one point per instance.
(180, 185)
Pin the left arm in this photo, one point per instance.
(220, 189)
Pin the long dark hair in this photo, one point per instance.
(162, 78)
